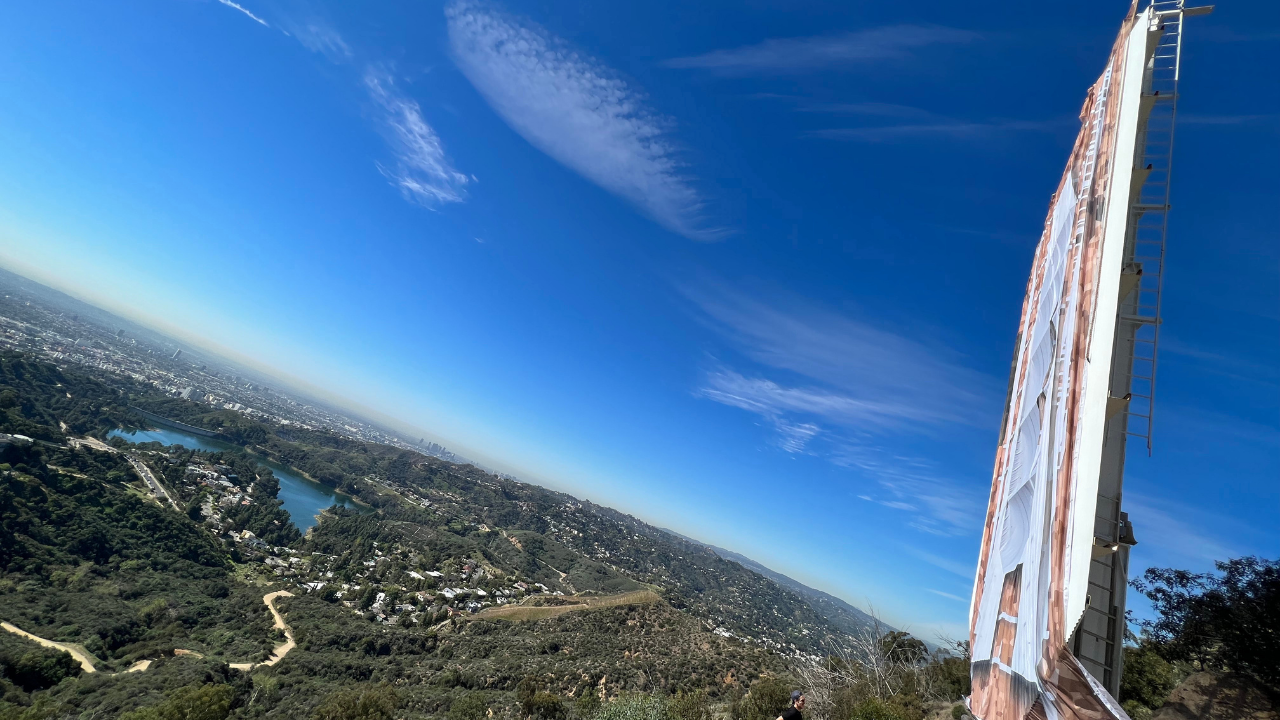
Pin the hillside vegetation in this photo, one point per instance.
(88, 558)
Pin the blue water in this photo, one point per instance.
(303, 498)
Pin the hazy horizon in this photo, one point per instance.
(752, 274)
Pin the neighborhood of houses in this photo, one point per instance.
(387, 585)
(382, 589)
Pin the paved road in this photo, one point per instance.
(157, 490)
(145, 473)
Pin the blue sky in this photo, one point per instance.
(751, 272)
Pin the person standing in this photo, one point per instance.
(797, 704)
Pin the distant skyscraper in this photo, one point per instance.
(176, 353)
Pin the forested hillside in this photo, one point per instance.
(456, 587)
(839, 613)
(569, 545)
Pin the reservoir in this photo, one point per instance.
(303, 498)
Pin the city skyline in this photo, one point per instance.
(751, 275)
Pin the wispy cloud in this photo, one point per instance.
(1179, 534)
(941, 504)
(883, 122)
(422, 171)
(872, 109)
(947, 595)
(768, 398)
(1223, 34)
(842, 388)
(246, 11)
(791, 55)
(578, 111)
(965, 570)
(319, 37)
(862, 375)
(942, 127)
(1233, 366)
(1193, 119)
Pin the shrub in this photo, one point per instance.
(766, 700)
(43, 668)
(873, 709)
(471, 706)
(636, 707)
(546, 706)
(690, 706)
(377, 703)
(206, 702)
(588, 703)
(1137, 711)
(1148, 678)
(908, 706)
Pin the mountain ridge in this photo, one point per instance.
(844, 616)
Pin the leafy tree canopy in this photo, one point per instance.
(1226, 621)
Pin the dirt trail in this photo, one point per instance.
(86, 661)
(540, 612)
(283, 648)
(82, 657)
(94, 443)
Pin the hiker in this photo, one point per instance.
(797, 704)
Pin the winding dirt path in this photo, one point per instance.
(283, 648)
(80, 655)
(86, 661)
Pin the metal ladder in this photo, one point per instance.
(1149, 218)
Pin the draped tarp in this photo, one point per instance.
(1032, 581)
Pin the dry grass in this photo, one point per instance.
(518, 613)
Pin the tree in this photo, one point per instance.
(525, 690)
(900, 647)
(43, 668)
(588, 704)
(1227, 622)
(1147, 680)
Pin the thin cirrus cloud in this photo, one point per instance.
(244, 10)
(860, 374)
(578, 111)
(1186, 536)
(966, 570)
(886, 122)
(869, 109)
(422, 171)
(842, 388)
(940, 504)
(802, 54)
(318, 37)
(940, 128)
